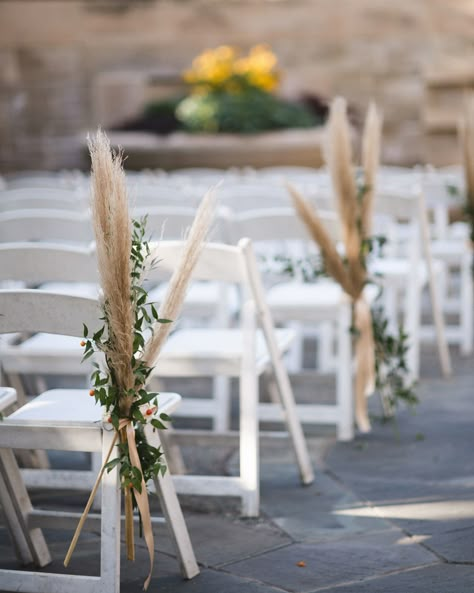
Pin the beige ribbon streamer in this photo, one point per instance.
(140, 497)
(365, 361)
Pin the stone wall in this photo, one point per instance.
(51, 52)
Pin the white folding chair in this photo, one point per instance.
(410, 271)
(162, 193)
(210, 302)
(66, 268)
(450, 244)
(67, 179)
(241, 352)
(253, 195)
(68, 420)
(406, 272)
(42, 224)
(303, 306)
(34, 198)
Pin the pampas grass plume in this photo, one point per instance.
(112, 228)
(179, 281)
(370, 164)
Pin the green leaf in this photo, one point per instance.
(85, 330)
(157, 424)
(111, 464)
(98, 334)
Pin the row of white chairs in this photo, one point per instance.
(447, 247)
(232, 352)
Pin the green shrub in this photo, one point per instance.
(251, 111)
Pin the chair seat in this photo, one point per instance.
(45, 354)
(394, 269)
(209, 352)
(42, 422)
(202, 298)
(73, 406)
(307, 302)
(450, 250)
(83, 289)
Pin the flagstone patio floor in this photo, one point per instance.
(391, 512)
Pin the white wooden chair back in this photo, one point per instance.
(162, 194)
(240, 197)
(46, 179)
(218, 262)
(173, 222)
(37, 263)
(45, 225)
(30, 310)
(34, 198)
(282, 223)
(277, 233)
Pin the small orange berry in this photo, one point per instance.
(301, 564)
(92, 392)
(149, 412)
(109, 419)
(83, 343)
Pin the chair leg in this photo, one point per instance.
(29, 543)
(221, 394)
(466, 309)
(294, 357)
(110, 523)
(325, 356)
(14, 380)
(174, 517)
(248, 426)
(172, 452)
(286, 394)
(412, 320)
(287, 401)
(345, 401)
(96, 465)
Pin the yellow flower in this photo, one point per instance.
(222, 68)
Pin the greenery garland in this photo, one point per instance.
(391, 370)
(105, 389)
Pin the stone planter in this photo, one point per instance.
(289, 147)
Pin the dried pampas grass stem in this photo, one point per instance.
(370, 165)
(339, 161)
(332, 259)
(467, 143)
(112, 227)
(179, 281)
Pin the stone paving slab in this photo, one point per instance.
(220, 540)
(333, 562)
(453, 546)
(418, 508)
(351, 528)
(309, 513)
(441, 578)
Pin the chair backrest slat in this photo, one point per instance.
(275, 224)
(37, 311)
(45, 225)
(217, 261)
(42, 262)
